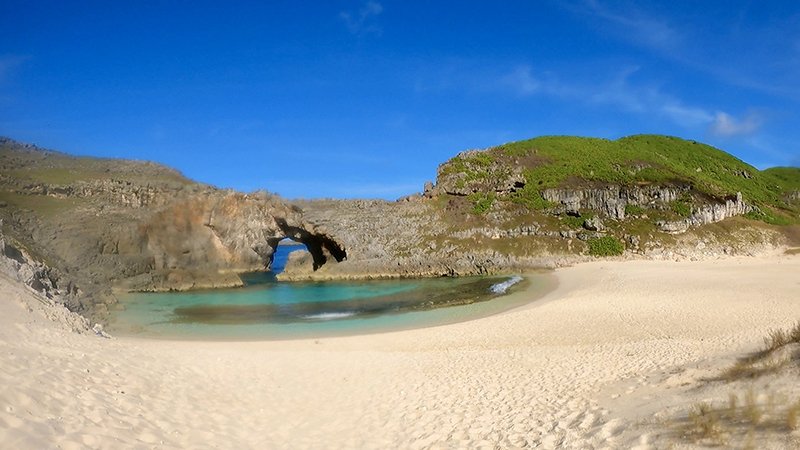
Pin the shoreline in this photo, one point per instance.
(519, 296)
(605, 360)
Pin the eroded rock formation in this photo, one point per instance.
(141, 226)
(134, 225)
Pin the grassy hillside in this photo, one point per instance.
(564, 161)
(23, 163)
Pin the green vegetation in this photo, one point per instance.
(605, 246)
(566, 161)
(645, 159)
(482, 202)
(788, 178)
(682, 206)
(475, 167)
(769, 217)
(576, 222)
(481, 159)
(633, 210)
(513, 149)
(531, 198)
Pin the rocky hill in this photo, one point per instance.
(85, 226)
(554, 200)
(95, 225)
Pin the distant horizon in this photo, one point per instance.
(365, 98)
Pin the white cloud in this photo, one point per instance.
(633, 24)
(618, 91)
(522, 81)
(363, 22)
(621, 90)
(686, 115)
(726, 126)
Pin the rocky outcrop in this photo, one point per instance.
(610, 200)
(476, 171)
(480, 171)
(708, 213)
(230, 231)
(141, 226)
(299, 266)
(47, 282)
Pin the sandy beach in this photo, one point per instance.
(612, 358)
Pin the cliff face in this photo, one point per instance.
(441, 237)
(226, 231)
(521, 206)
(140, 226)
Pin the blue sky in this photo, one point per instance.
(364, 99)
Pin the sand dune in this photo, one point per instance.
(610, 359)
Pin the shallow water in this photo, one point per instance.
(268, 309)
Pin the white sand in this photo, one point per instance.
(589, 366)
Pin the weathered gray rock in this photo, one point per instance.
(594, 224)
(481, 173)
(708, 213)
(673, 227)
(410, 198)
(428, 190)
(572, 205)
(610, 200)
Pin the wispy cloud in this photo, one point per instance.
(364, 21)
(756, 51)
(618, 91)
(726, 126)
(522, 80)
(631, 23)
(622, 92)
(686, 116)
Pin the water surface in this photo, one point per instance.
(268, 309)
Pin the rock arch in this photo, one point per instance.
(321, 246)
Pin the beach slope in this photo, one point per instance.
(612, 358)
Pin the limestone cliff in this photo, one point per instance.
(546, 202)
(135, 225)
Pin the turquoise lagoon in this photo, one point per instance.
(268, 309)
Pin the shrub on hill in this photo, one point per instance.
(605, 246)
